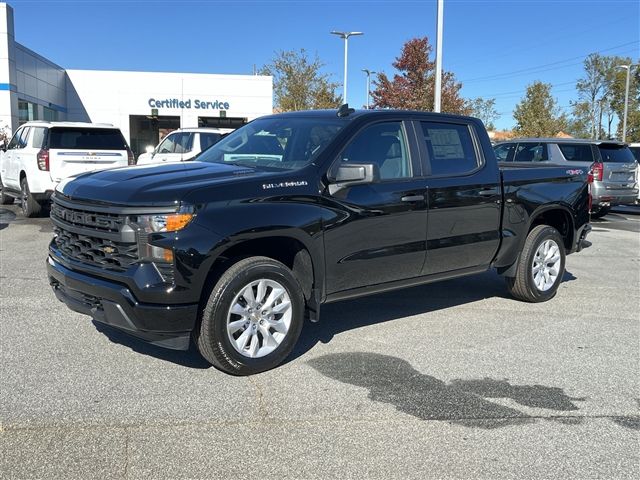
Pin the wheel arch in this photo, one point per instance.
(555, 215)
(289, 249)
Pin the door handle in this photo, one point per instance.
(413, 198)
(488, 192)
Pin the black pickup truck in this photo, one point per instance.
(235, 250)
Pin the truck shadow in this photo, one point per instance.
(190, 358)
(351, 314)
(394, 381)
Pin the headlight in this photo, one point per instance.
(166, 222)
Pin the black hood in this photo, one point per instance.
(150, 185)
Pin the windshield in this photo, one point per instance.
(636, 152)
(616, 153)
(275, 143)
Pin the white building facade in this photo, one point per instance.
(144, 105)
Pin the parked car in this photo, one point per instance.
(299, 209)
(635, 149)
(181, 145)
(41, 154)
(612, 163)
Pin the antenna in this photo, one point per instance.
(344, 110)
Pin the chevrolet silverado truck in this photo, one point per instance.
(235, 249)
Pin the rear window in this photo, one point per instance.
(577, 152)
(208, 139)
(616, 153)
(90, 138)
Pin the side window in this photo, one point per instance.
(167, 145)
(450, 148)
(15, 140)
(23, 137)
(504, 152)
(576, 152)
(531, 152)
(384, 145)
(208, 139)
(39, 136)
(182, 142)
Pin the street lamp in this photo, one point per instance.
(345, 36)
(369, 73)
(437, 94)
(626, 99)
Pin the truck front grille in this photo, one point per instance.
(79, 217)
(96, 251)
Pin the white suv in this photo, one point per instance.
(41, 154)
(181, 145)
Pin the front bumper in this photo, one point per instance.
(114, 304)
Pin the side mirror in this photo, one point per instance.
(349, 174)
(149, 149)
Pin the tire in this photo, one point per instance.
(527, 287)
(30, 206)
(4, 198)
(600, 212)
(246, 356)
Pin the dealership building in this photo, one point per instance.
(144, 105)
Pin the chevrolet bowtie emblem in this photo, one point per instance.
(108, 250)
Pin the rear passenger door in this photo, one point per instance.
(464, 198)
(531, 152)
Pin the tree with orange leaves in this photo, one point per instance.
(413, 86)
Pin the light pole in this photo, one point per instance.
(345, 36)
(626, 99)
(438, 87)
(369, 73)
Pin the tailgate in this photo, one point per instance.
(74, 150)
(619, 165)
(619, 175)
(65, 163)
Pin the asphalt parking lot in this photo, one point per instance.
(450, 380)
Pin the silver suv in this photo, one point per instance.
(612, 164)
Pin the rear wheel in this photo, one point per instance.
(4, 198)
(540, 267)
(253, 317)
(599, 212)
(30, 206)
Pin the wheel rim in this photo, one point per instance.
(546, 265)
(259, 318)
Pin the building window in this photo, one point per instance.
(27, 111)
(50, 115)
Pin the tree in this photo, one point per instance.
(413, 87)
(537, 114)
(595, 94)
(299, 84)
(618, 98)
(485, 110)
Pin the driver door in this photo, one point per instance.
(379, 230)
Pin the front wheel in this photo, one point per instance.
(253, 317)
(540, 267)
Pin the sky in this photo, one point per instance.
(495, 48)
